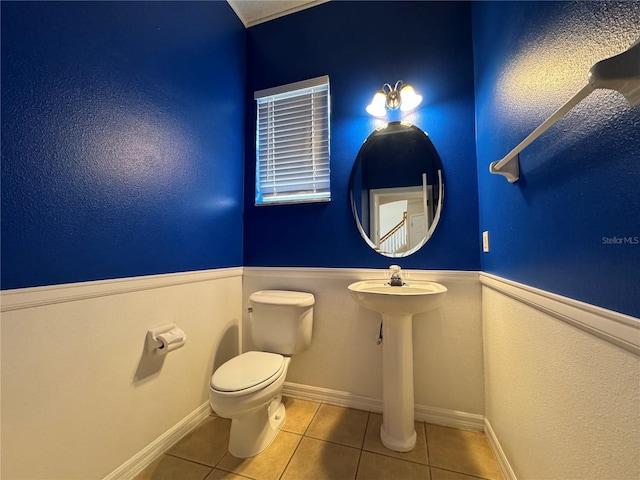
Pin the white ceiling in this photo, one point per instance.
(253, 12)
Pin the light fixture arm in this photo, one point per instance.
(391, 97)
(394, 98)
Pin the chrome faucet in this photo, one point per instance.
(396, 279)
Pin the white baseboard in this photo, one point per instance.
(507, 471)
(450, 418)
(438, 416)
(147, 455)
(332, 397)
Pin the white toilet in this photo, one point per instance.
(248, 388)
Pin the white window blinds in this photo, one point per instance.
(292, 143)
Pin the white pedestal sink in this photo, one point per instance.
(397, 305)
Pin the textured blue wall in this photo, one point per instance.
(121, 158)
(571, 224)
(362, 45)
(122, 139)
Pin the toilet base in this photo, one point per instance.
(252, 433)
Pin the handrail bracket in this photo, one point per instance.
(510, 169)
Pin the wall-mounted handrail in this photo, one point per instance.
(620, 73)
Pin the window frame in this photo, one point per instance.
(318, 144)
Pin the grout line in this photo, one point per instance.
(386, 455)
(232, 473)
(292, 455)
(459, 473)
(332, 442)
(190, 460)
(358, 466)
(426, 441)
(306, 429)
(304, 433)
(366, 427)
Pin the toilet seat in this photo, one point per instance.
(247, 373)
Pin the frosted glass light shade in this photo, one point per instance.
(403, 96)
(377, 105)
(409, 98)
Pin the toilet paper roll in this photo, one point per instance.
(171, 340)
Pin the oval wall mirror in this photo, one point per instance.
(396, 189)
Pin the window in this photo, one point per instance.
(292, 143)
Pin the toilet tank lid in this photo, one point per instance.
(282, 297)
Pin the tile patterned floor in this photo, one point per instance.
(324, 442)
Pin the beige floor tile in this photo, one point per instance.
(222, 475)
(299, 414)
(438, 474)
(380, 467)
(345, 426)
(169, 468)
(372, 442)
(462, 451)
(318, 460)
(269, 465)
(207, 444)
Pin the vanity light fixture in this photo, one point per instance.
(400, 95)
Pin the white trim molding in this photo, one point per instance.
(437, 416)
(446, 276)
(503, 461)
(255, 15)
(22, 298)
(331, 397)
(449, 418)
(616, 328)
(155, 449)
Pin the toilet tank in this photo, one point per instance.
(281, 321)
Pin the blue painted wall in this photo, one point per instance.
(571, 224)
(121, 158)
(122, 139)
(362, 45)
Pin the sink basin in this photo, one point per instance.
(409, 299)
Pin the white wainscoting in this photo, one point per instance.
(75, 380)
(80, 396)
(562, 383)
(345, 362)
(147, 455)
(613, 327)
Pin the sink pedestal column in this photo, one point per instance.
(398, 431)
(397, 306)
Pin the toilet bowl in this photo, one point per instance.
(248, 388)
(256, 410)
